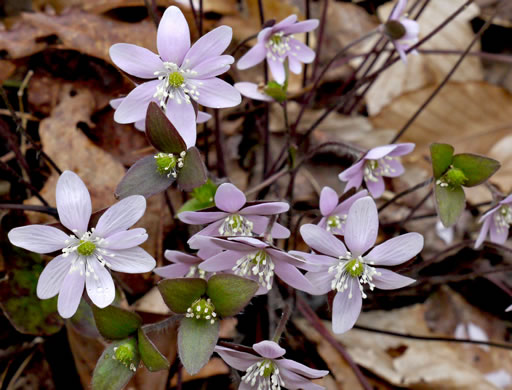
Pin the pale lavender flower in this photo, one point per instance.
(509, 308)
(178, 76)
(346, 271)
(255, 259)
(233, 219)
(270, 370)
(496, 223)
(334, 215)
(376, 164)
(87, 254)
(402, 32)
(184, 266)
(253, 91)
(277, 44)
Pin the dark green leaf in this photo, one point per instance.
(450, 202)
(230, 293)
(150, 355)
(276, 91)
(143, 179)
(442, 156)
(180, 293)
(115, 323)
(477, 169)
(161, 132)
(193, 173)
(202, 197)
(196, 341)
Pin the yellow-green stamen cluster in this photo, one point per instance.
(264, 374)
(350, 270)
(279, 45)
(395, 30)
(86, 248)
(503, 218)
(176, 79)
(126, 354)
(355, 268)
(256, 264)
(169, 163)
(202, 309)
(375, 168)
(454, 177)
(236, 225)
(335, 222)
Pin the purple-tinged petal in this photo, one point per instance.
(377, 187)
(201, 241)
(201, 217)
(253, 57)
(212, 229)
(73, 202)
(269, 349)
(251, 90)
(240, 361)
(301, 27)
(321, 280)
(402, 149)
(140, 125)
(125, 239)
(269, 208)
(300, 51)
(53, 275)
(394, 169)
(294, 64)
(362, 226)
(294, 381)
(114, 103)
(254, 242)
(379, 152)
(412, 29)
(99, 284)
(180, 257)
(173, 36)
(316, 261)
(346, 308)
(288, 21)
(132, 261)
(401, 51)
(498, 235)
(507, 200)
(224, 261)
(293, 277)
(396, 250)
(229, 198)
(183, 117)
(389, 280)
(121, 216)
(38, 238)
(135, 60)
(173, 271)
(260, 224)
(322, 241)
(278, 255)
(301, 369)
(277, 68)
(398, 10)
(71, 290)
(216, 93)
(202, 117)
(483, 232)
(209, 45)
(135, 104)
(509, 308)
(489, 213)
(353, 175)
(212, 67)
(343, 207)
(328, 201)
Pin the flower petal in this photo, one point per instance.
(328, 201)
(353, 175)
(269, 349)
(379, 152)
(301, 52)
(71, 290)
(343, 207)
(212, 67)
(121, 216)
(277, 68)
(202, 117)
(398, 10)
(346, 308)
(322, 241)
(301, 369)
(229, 198)
(216, 93)
(397, 250)
(292, 276)
(362, 226)
(173, 271)
(180, 257)
(389, 280)
(288, 21)
(73, 202)
(201, 217)
(173, 36)
(394, 168)
(99, 284)
(321, 280)
(412, 29)
(223, 261)
(294, 64)
(301, 27)
(402, 149)
(132, 261)
(209, 45)
(125, 239)
(253, 57)
(269, 208)
(498, 235)
(251, 90)
(377, 187)
(38, 238)
(134, 106)
(135, 60)
(260, 224)
(183, 117)
(240, 361)
(293, 381)
(53, 275)
(483, 232)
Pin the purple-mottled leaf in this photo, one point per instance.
(150, 355)
(115, 323)
(442, 156)
(180, 293)
(193, 173)
(450, 202)
(161, 132)
(477, 169)
(230, 293)
(196, 341)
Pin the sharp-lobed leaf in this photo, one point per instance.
(161, 132)
(196, 341)
(150, 355)
(115, 323)
(193, 174)
(477, 169)
(180, 293)
(230, 293)
(143, 179)
(450, 202)
(442, 156)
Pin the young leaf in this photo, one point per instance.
(116, 365)
(202, 197)
(193, 173)
(442, 156)
(115, 323)
(150, 355)
(275, 91)
(180, 293)
(450, 202)
(477, 169)
(230, 293)
(161, 133)
(196, 341)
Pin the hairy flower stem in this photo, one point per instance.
(285, 316)
(404, 193)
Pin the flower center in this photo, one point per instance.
(265, 374)
(195, 270)
(169, 164)
(126, 354)
(355, 268)
(395, 30)
(236, 225)
(351, 270)
(176, 83)
(375, 168)
(86, 248)
(256, 264)
(279, 45)
(202, 309)
(176, 79)
(503, 218)
(336, 221)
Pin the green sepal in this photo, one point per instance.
(202, 197)
(477, 169)
(230, 293)
(115, 323)
(276, 91)
(161, 132)
(111, 373)
(150, 355)
(450, 202)
(442, 156)
(193, 174)
(180, 293)
(196, 341)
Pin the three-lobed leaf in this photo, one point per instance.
(196, 341)
(180, 293)
(477, 169)
(442, 156)
(150, 355)
(230, 293)
(115, 323)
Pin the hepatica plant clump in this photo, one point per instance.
(239, 251)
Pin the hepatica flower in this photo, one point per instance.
(87, 253)
(376, 164)
(184, 266)
(346, 271)
(231, 218)
(277, 44)
(178, 76)
(269, 370)
(253, 91)
(335, 215)
(496, 223)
